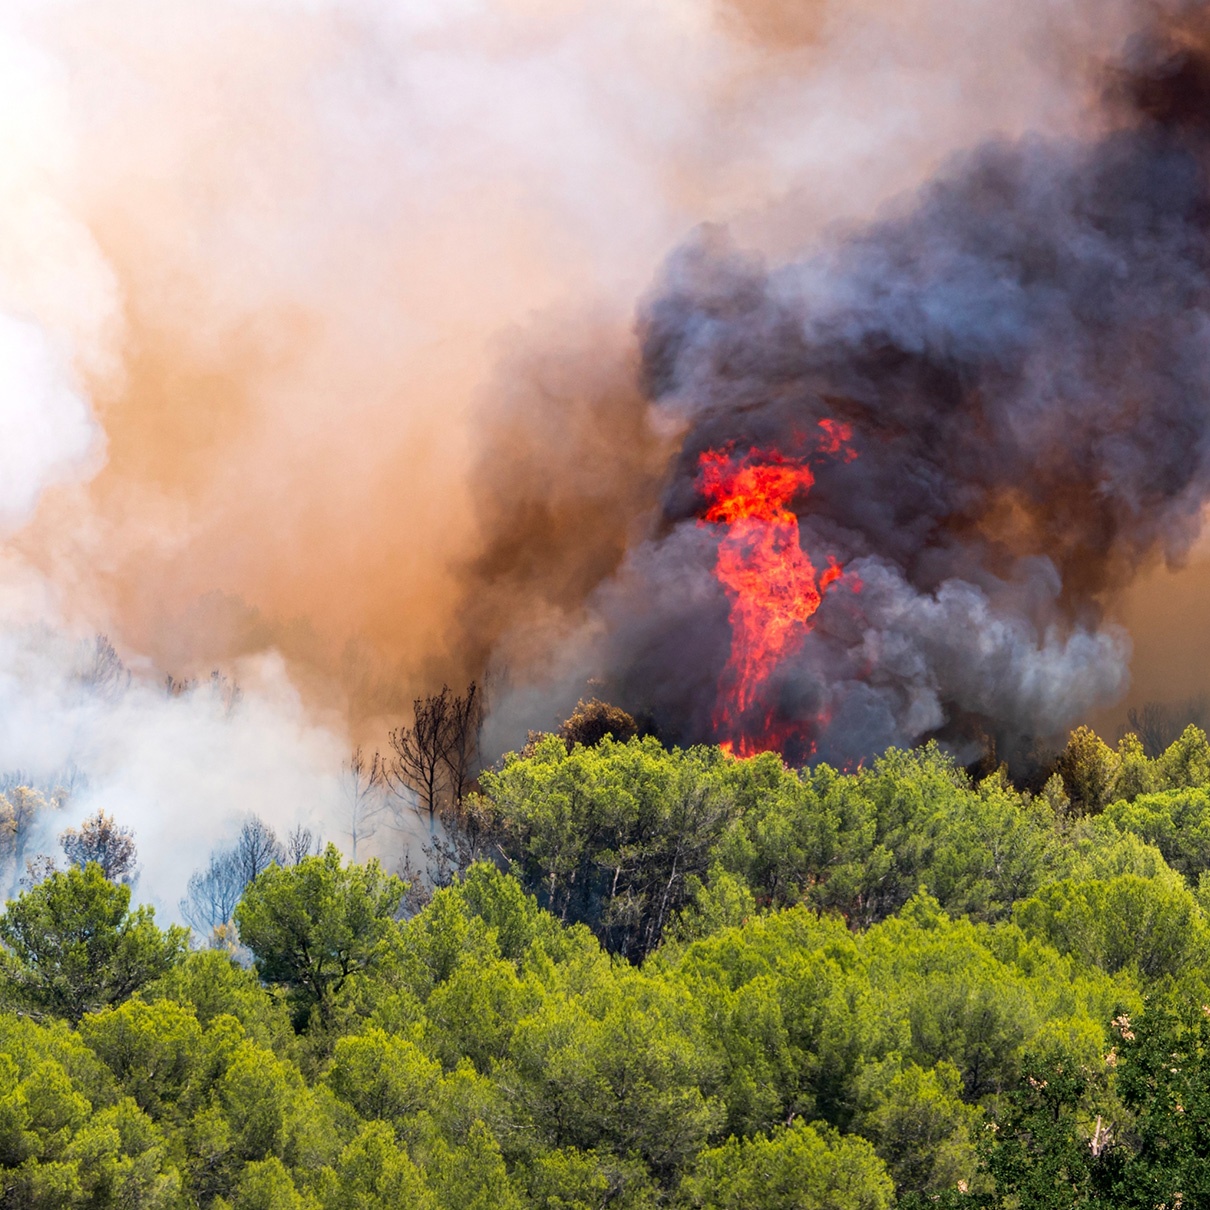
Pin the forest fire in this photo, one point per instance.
(771, 582)
(1018, 329)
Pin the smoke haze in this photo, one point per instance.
(318, 362)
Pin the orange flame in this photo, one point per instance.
(771, 581)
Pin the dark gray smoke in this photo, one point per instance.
(1024, 358)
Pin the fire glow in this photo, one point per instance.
(770, 580)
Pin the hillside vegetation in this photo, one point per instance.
(653, 979)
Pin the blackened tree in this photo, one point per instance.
(100, 839)
(419, 766)
(464, 726)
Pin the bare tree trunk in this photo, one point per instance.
(364, 787)
(421, 750)
(461, 750)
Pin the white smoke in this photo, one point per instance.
(183, 771)
(46, 428)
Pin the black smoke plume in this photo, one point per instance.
(1023, 355)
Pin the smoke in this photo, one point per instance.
(1021, 352)
(346, 240)
(183, 771)
(46, 429)
(317, 364)
(858, 104)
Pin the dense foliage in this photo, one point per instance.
(688, 981)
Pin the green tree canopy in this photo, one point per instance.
(312, 926)
(799, 1168)
(1151, 924)
(74, 946)
(612, 834)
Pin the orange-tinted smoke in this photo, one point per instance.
(371, 395)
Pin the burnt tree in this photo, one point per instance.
(461, 753)
(212, 893)
(100, 839)
(256, 849)
(420, 750)
(363, 790)
(301, 842)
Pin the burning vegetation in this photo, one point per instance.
(1010, 372)
(771, 583)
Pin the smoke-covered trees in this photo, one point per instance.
(213, 891)
(101, 669)
(300, 842)
(26, 818)
(1159, 724)
(224, 692)
(439, 753)
(211, 894)
(23, 810)
(363, 791)
(100, 839)
(256, 848)
(461, 752)
(419, 750)
(73, 945)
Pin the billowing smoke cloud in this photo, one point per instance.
(1022, 352)
(346, 242)
(184, 771)
(46, 428)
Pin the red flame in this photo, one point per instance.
(772, 584)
